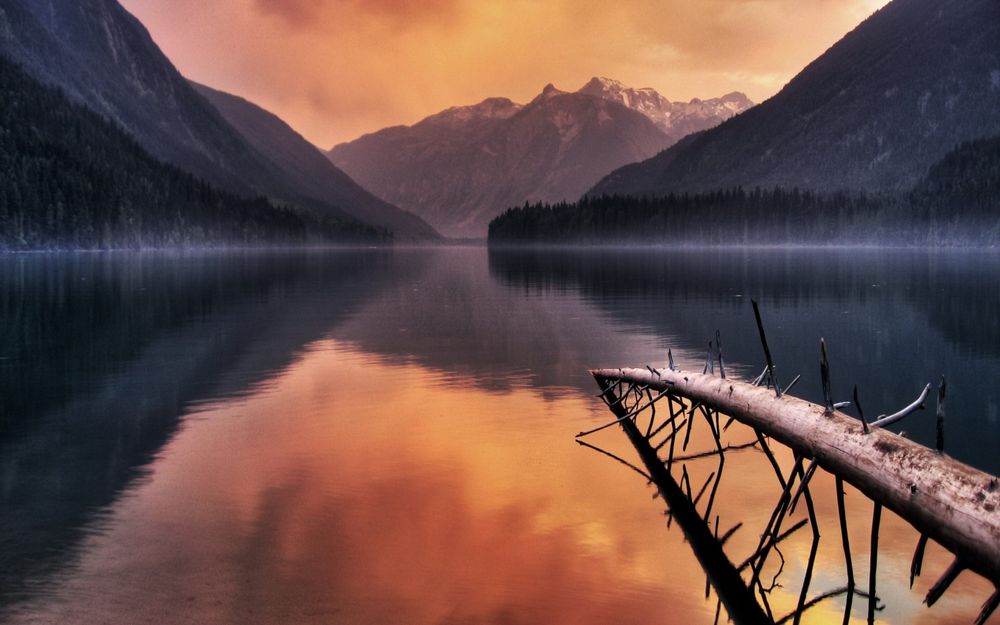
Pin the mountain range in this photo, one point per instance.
(461, 167)
(99, 55)
(872, 113)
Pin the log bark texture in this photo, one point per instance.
(953, 503)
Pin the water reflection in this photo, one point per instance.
(894, 320)
(420, 513)
(449, 316)
(366, 436)
(103, 354)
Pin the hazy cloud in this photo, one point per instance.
(335, 69)
(320, 14)
(295, 11)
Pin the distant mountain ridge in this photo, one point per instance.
(675, 119)
(309, 168)
(461, 167)
(103, 57)
(490, 108)
(872, 113)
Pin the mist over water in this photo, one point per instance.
(387, 435)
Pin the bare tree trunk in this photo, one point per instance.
(953, 503)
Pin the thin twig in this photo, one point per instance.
(846, 543)
(940, 416)
(730, 533)
(614, 457)
(701, 491)
(767, 350)
(918, 404)
(861, 412)
(791, 384)
(799, 525)
(718, 348)
(988, 608)
(845, 590)
(803, 484)
(760, 378)
(824, 372)
(873, 561)
(670, 436)
(770, 457)
(715, 452)
(918, 558)
(940, 586)
(627, 415)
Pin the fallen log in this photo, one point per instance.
(955, 504)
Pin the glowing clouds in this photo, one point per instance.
(325, 14)
(335, 69)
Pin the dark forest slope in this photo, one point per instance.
(910, 83)
(71, 179)
(101, 56)
(310, 169)
(956, 203)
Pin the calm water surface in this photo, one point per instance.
(387, 436)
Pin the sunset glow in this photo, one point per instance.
(499, 312)
(335, 69)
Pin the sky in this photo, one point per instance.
(336, 69)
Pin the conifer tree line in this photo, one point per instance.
(70, 179)
(957, 203)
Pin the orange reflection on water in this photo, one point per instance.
(350, 490)
(355, 490)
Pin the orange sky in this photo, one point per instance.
(335, 69)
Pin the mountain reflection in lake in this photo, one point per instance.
(387, 435)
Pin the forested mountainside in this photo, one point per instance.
(101, 56)
(967, 180)
(310, 169)
(956, 203)
(872, 113)
(74, 180)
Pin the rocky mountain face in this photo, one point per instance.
(101, 56)
(872, 113)
(463, 166)
(675, 119)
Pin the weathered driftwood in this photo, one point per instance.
(953, 503)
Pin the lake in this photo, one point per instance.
(387, 435)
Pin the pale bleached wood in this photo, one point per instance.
(953, 503)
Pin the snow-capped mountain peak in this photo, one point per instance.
(461, 167)
(490, 108)
(550, 91)
(677, 119)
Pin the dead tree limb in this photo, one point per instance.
(950, 502)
